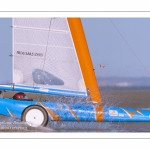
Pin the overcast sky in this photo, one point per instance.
(120, 44)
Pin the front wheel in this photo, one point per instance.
(35, 116)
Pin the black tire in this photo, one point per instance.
(35, 107)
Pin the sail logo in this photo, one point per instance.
(30, 53)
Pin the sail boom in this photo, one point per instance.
(39, 90)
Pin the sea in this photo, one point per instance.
(136, 97)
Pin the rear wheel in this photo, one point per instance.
(35, 116)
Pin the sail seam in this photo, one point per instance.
(60, 60)
(54, 30)
(43, 45)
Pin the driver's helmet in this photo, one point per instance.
(20, 96)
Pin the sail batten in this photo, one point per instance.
(42, 45)
(30, 28)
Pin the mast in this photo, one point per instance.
(84, 58)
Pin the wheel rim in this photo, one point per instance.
(34, 117)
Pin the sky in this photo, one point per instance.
(5, 50)
(120, 44)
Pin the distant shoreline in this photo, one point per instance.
(124, 88)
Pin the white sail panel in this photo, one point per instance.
(42, 23)
(44, 55)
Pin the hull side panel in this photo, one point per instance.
(118, 114)
(76, 112)
(13, 108)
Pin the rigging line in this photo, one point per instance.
(34, 85)
(130, 47)
(46, 47)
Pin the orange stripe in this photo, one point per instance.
(131, 114)
(99, 113)
(84, 58)
(73, 113)
(11, 114)
(51, 113)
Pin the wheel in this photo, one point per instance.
(35, 116)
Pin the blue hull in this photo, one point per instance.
(76, 111)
